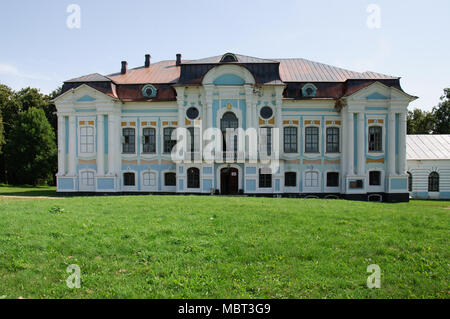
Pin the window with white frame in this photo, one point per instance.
(332, 140)
(311, 139)
(129, 142)
(87, 179)
(87, 139)
(149, 140)
(311, 179)
(149, 179)
(290, 139)
(375, 139)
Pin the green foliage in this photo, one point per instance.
(31, 149)
(173, 247)
(56, 210)
(441, 114)
(420, 122)
(435, 122)
(2, 134)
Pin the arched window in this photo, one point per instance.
(311, 179)
(433, 182)
(229, 121)
(229, 57)
(410, 182)
(149, 179)
(193, 178)
(170, 179)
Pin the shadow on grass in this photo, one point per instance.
(29, 191)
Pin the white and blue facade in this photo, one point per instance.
(341, 139)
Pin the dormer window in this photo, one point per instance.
(149, 91)
(229, 57)
(309, 90)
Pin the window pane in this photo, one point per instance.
(168, 142)
(375, 178)
(290, 179)
(129, 143)
(332, 179)
(375, 139)
(149, 140)
(332, 140)
(170, 179)
(193, 175)
(312, 140)
(290, 140)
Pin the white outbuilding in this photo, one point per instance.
(428, 162)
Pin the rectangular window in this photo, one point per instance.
(87, 143)
(290, 179)
(312, 140)
(149, 137)
(333, 179)
(332, 140)
(168, 142)
(290, 140)
(170, 179)
(128, 179)
(265, 180)
(129, 143)
(357, 184)
(374, 178)
(375, 139)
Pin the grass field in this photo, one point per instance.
(220, 247)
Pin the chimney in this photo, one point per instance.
(124, 67)
(147, 60)
(178, 59)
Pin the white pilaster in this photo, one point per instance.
(100, 145)
(391, 144)
(61, 145)
(350, 144)
(114, 150)
(402, 144)
(209, 102)
(180, 101)
(360, 145)
(279, 119)
(72, 145)
(249, 104)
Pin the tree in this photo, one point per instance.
(31, 153)
(420, 122)
(441, 114)
(2, 136)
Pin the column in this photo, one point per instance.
(114, 153)
(72, 145)
(209, 102)
(61, 145)
(391, 143)
(249, 105)
(180, 101)
(361, 144)
(350, 146)
(344, 147)
(279, 116)
(402, 144)
(100, 145)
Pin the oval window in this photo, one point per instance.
(192, 113)
(266, 112)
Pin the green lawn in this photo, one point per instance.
(220, 247)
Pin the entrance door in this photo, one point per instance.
(229, 181)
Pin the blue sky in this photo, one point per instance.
(39, 50)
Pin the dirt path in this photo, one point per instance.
(30, 197)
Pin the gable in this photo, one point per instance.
(377, 96)
(86, 98)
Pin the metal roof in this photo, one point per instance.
(94, 77)
(159, 72)
(241, 59)
(290, 70)
(302, 70)
(428, 147)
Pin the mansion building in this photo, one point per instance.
(341, 134)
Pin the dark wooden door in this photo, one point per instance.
(229, 181)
